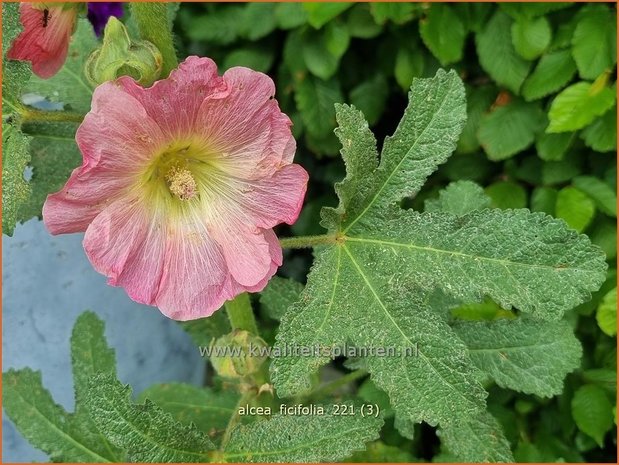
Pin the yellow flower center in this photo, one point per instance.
(181, 183)
(178, 174)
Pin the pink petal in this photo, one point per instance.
(174, 102)
(81, 199)
(278, 199)
(233, 288)
(44, 43)
(116, 140)
(247, 253)
(194, 274)
(248, 133)
(117, 134)
(127, 245)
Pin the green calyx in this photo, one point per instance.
(120, 56)
(238, 354)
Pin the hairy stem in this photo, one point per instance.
(154, 26)
(304, 242)
(35, 116)
(241, 314)
(234, 419)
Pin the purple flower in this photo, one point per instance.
(100, 12)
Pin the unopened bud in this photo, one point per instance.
(238, 354)
(120, 56)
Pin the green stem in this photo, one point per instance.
(154, 26)
(234, 419)
(304, 242)
(36, 116)
(240, 313)
(334, 385)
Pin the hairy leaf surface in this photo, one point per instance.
(146, 432)
(523, 354)
(480, 439)
(369, 287)
(302, 438)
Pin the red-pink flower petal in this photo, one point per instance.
(174, 102)
(115, 137)
(180, 186)
(252, 136)
(125, 244)
(45, 39)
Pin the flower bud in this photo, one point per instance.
(238, 354)
(120, 56)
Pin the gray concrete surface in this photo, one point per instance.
(47, 283)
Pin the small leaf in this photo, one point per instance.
(399, 13)
(603, 233)
(480, 439)
(254, 57)
(575, 207)
(509, 129)
(207, 409)
(258, 20)
(146, 432)
(497, 55)
(602, 194)
(371, 97)
(319, 14)
(409, 64)
(459, 198)
(544, 200)
(219, 26)
(280, 294)
(507, 194)
(519, 11)
(531, 37)
(592, 412)
(443, 33)
(361, 24)
(478, 102)
(602, 377)
(607, 313)
(523, 354)
(553, 147)
(595, 41)
(578, 105)
(554, 70)
(316, 99)
(601, 135)
(323, 49)
(290, 15)
(302, 438)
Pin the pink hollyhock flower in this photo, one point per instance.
(181, 185)
(45, 39)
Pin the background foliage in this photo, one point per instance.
(540, 134)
